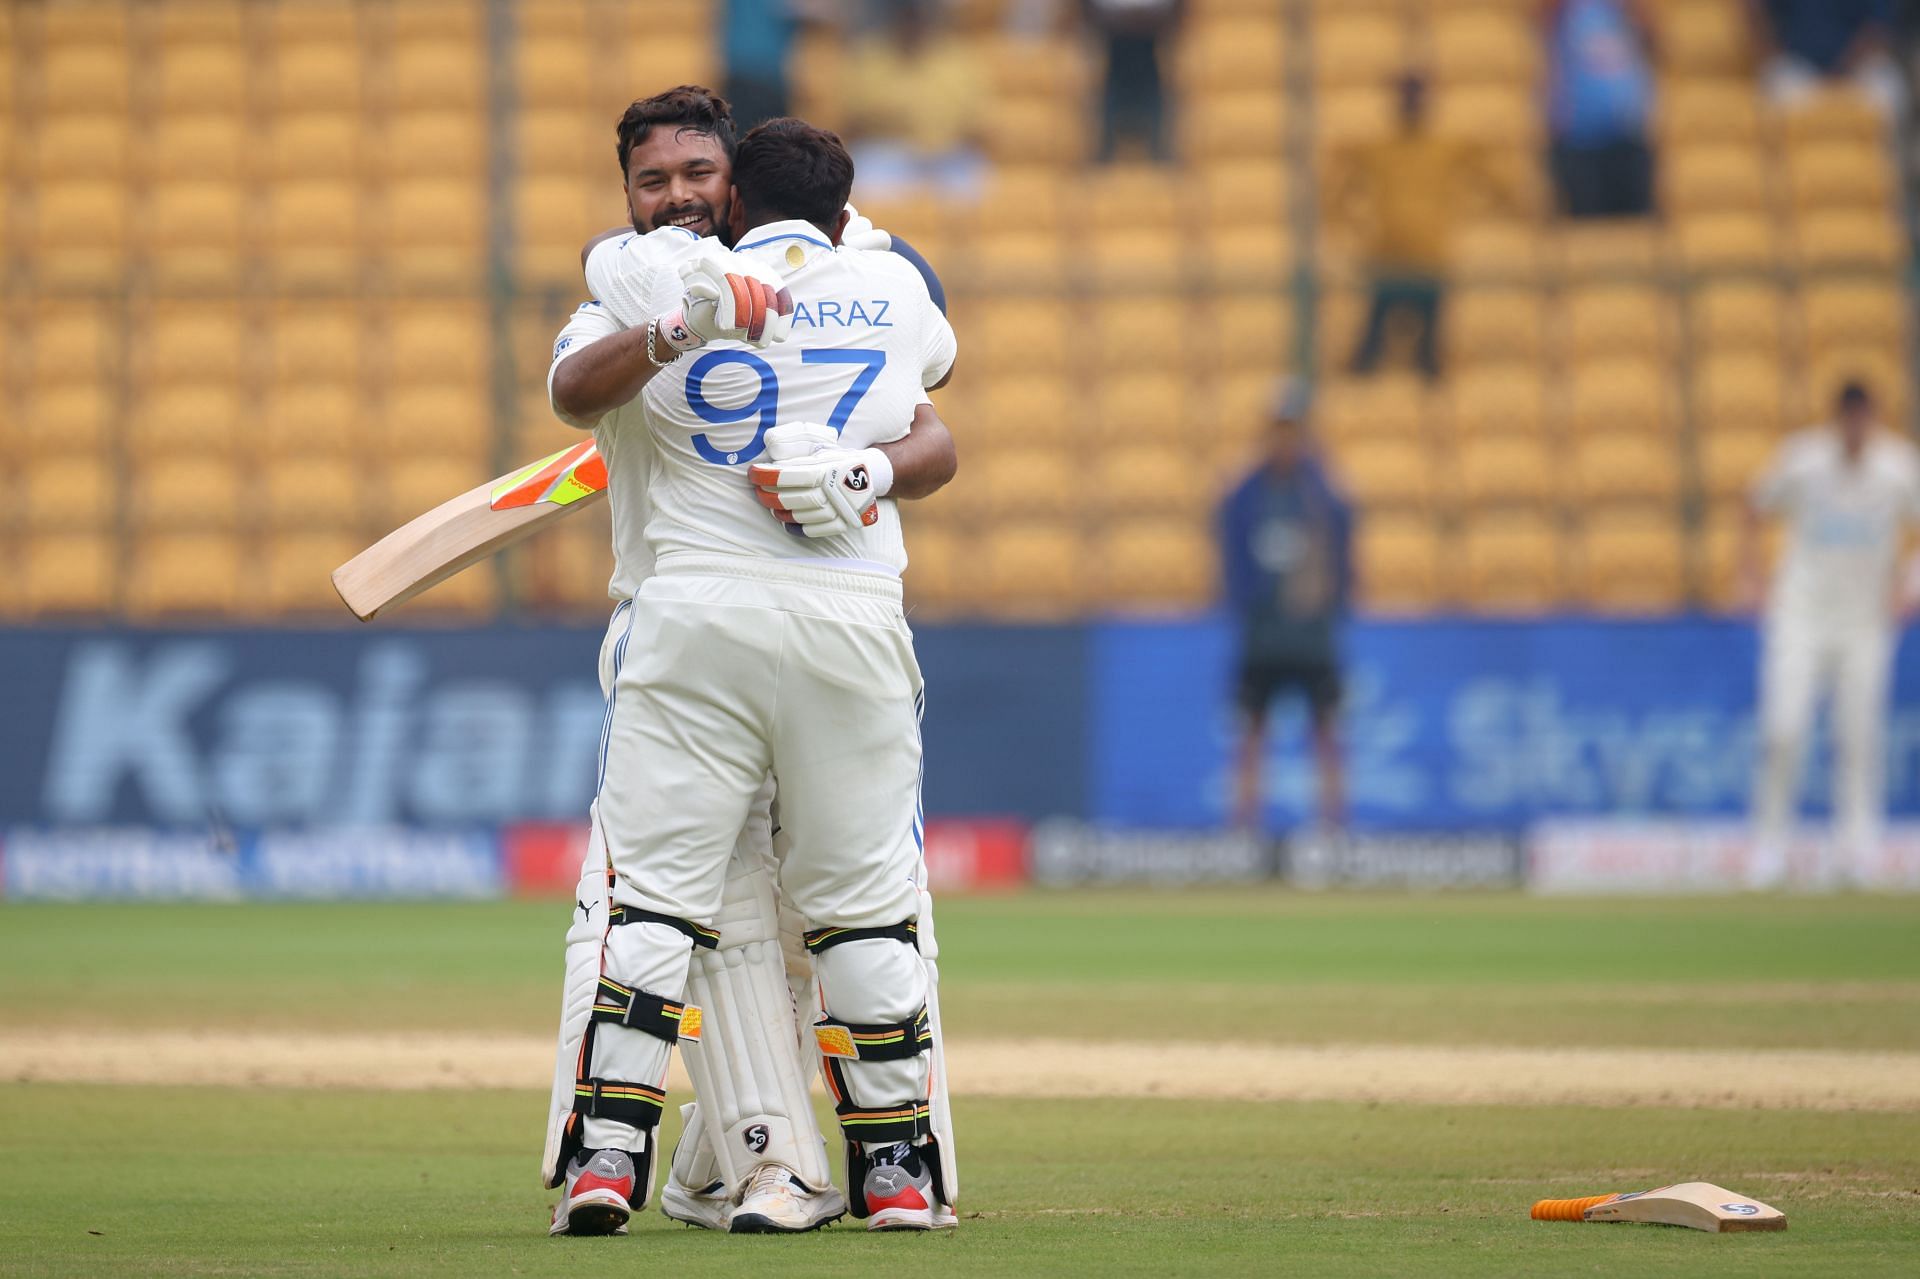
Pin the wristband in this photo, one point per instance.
(879, 470)
(673, 330)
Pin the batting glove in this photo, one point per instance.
(861, 233)
(728, 298)
(815, 487)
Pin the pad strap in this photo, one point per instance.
(657, 1015)
(882, 1041)
(705, 938)
(906, 932)
(636, 1104)
(906, 1122)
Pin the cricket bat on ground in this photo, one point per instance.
(1698, 1204)
(462, 531)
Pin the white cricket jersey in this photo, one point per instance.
(866, 342)
(1845, 523)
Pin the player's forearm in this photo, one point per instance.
(925, 459)
(605, 375)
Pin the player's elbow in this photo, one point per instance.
(572, 399)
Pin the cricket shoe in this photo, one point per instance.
(776, 1202)
(707, 1207)
(597, 1197)
(900, 1194)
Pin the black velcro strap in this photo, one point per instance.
(884, 1041)
(706, 938)
(906, 932)
(909, 1121)
(659, 1016)
(636, 1104)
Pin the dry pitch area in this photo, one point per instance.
(1152, 1084)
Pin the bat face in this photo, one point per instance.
(464, 530)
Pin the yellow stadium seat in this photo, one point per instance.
(1032, 569)
(317, 341)
(325, 144)
(1134, 258)
(1022, 334)
(297, 572)
(1389, 473)
(1252, 332)
(552, 218)
(1146, 479)
(411, 485)
(1496, 115)
(312, 417)
(80, 232)
(436, 72)
(93, 145)
(313, 230)
(192, 342)
(1229, 411)
(312, 20)
(1141, 406)
(1847, 312)
(1840, 174)
(1840, 113)
(1732, 460)
(1610, 249)
(69, 491)
(1242, 125)
(656, 58)
(566, 570)
(1020, 199)
(320, 75)
(1625, 468)
(1834, 239)
(451, 419)
(1506, 469)
(195, 231)
(1033, 131)
(1740, 391)
(940, 564)
(438, 341)
(1484, 44)
(1390, 405)
(1246, 256)
(84, 24)
(1031, 481)
(1399, 563)
(439, 143)
(1156, 565)
(1122, 321)
(1128, 198)
(1231, 54)
(189, 20)
(185, 417)
(1353, 115)
(1704, 37)
(206, 146)
(1725, 242)
(553, 70)
(309, 493)
(1485, 325)
(1359, 47)
(1720, 557)
(1629, 395)
(1633, 561)
(1497, 250)
(1617, 319)
(1730, 316)
(188, 574)
(1499, 399)
(1236, 192)
(85, 77)
(451, 20)
(70, 573)
(435, 229)
(74, 342)
(564, 141)
(203, 76)
(74, 416)
(1713, 178)
(1709, 109)
(188, 491)
(1510, 562)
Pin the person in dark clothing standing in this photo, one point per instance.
(1133, 105)
(1286, 554)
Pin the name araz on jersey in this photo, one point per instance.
(846, 313)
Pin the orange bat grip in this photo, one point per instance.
(1566, 1209)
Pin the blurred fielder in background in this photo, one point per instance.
(1846, 492)
(1286, 557)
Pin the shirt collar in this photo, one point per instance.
(789, 244)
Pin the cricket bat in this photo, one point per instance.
(1700, 1205)
(464, 530)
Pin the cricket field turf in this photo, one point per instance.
(1316, 1085)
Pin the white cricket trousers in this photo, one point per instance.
(1803, 660)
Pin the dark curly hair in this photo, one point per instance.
(689, 108)
(787, 168)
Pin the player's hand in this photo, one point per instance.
(728, 298)
(861, 233)
(815, 487)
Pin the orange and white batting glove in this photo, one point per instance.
(728, 298)
(815, 487)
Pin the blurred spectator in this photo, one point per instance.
(1285, 552)
(915, 98)
(756, 36)
(1133, 105)
(1412, 185)
(1847, 491)
(1599, 97)
(1809, 42)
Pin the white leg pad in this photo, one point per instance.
(653, 958)
(868, 982)
(694, 1165)
(585, 937)
(940, 1104)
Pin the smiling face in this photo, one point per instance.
(678, 177)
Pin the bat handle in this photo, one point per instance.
(1566, 1209)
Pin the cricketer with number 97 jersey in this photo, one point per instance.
(867, 341)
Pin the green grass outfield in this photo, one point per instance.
(256, 1181)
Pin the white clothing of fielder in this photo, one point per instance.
(1829, 627)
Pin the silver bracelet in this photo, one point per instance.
(653, 330)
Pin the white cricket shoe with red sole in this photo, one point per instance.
(900, 1195)
(597, 1198)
